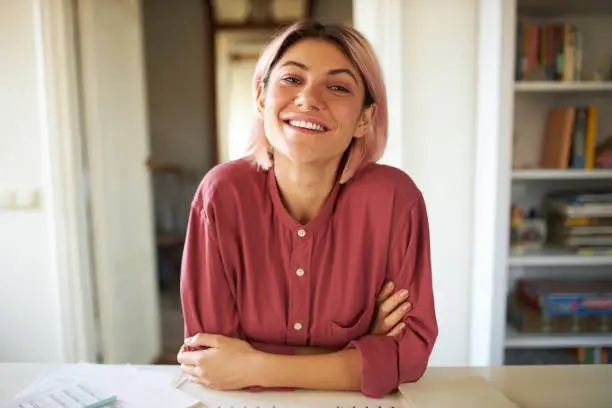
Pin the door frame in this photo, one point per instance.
(492, 174)
(68, 195)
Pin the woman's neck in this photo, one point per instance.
(304, 188)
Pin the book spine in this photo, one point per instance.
(591, 137)
(568, 53)
(518, 75)
(579, 139)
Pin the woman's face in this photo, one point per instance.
(313, 103)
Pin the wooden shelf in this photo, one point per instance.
(545, 174)
(515, 339)
(559, 257)
(549, 86)
(564, 7)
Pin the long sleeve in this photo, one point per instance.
(208, 302)
(386, 361)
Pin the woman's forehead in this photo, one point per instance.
(312, 53)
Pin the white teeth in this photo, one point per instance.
(306, 125)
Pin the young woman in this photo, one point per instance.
(290, 251)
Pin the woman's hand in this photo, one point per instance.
(390, 310)
(227, 363)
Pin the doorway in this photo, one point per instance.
(182, 138)
(199, 77)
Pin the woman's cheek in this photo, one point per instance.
(278, 95)
(347, 114)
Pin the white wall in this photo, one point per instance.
(431, 79)
(29, 289)
(116, 133)
(180, 101)
(440, 88)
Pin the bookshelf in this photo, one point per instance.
(547, 86)
(559, 258)
(569, 174)
(582, 80)
(554, 340)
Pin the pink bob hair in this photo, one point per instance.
(361, 151)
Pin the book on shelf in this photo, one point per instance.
(579, 220)
(594, 355)
(556, 356)
(570, 138)
(550, 52)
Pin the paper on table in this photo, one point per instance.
(139, 387)
(75, 395)
(463, 392)
(134, 388)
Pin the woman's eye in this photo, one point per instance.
(291, 80)
(339, 88)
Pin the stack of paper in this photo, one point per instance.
(77, 395)
(132, 387)
(457, 392)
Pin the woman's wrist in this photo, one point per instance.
(257, 367)
(309, 351)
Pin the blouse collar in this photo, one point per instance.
(319, 221)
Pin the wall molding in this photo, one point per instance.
(66, 196)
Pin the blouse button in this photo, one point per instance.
(299, 272)
(297, 326)
(301, 233)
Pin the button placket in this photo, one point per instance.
(299, 288)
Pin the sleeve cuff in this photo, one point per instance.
(379, 370)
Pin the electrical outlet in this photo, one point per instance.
(7, 199)
(27, 198)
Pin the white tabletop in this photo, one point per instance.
(14, 377)
(587, 386)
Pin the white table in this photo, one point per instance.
(586, 386)
(14, 377)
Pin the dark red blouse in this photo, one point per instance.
(251, 271)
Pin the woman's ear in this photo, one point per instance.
(365, 121)
(260, 98)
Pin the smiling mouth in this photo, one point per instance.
(307, 126)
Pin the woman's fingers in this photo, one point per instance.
(397, 330)
(189, 370)
(194, 374)
(391, 308)
(394, 319)
(391, 303)
(199, 380)
(385, 292)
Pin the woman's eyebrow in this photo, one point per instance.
(295, 63)
(336, 71)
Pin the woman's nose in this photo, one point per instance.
(308, 100)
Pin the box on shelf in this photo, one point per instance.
(527, 232)
(561, 306)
